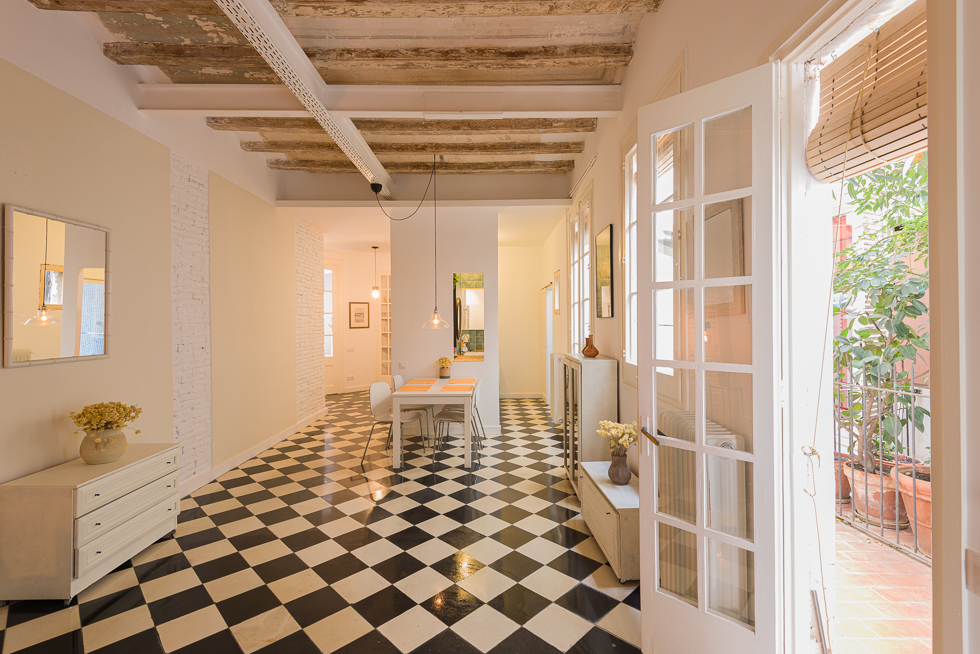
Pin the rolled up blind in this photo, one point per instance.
(873, 101)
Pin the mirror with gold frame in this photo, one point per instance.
(56, 289)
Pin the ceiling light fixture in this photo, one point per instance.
(43, 317)
(436, 321)
(375, 290)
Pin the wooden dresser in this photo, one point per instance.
(64, 528)
(613, 515)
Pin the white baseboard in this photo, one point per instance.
(191, 485)
(522, 396)
(357, 389)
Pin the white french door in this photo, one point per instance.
(708, 366)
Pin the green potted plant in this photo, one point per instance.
(880, 283)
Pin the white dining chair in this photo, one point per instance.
(480, 433)
(427, 409)
(450, 416)
(380, 396)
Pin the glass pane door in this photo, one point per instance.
(705, 168)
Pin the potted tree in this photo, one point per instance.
(879, 283)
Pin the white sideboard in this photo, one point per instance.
(64, 528)
(613, 515)
(590, 395)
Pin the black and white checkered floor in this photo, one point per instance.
(303, 550)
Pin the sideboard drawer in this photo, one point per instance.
(103, 520)
(603, 519)
(91, 555)
(102, 491)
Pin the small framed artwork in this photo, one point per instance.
(360, 315)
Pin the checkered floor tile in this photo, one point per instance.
(303, 550)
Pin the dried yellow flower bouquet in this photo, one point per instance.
(106, 415)
(444, 362)
(621, 437)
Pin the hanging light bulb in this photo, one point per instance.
(44, 316)
(375, 291)
(435, 322)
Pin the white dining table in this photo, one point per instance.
(434, 392)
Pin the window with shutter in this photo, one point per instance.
(873, 101)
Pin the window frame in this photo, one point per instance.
(630, 227)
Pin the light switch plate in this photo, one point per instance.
(350, 377)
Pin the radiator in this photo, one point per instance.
(21, 354)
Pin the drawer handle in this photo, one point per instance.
(169, 510)
(169, 485)
(98, 524)
(99, 552)
(98, 494)
(607, 512)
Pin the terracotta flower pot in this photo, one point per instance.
(922, 501)
(841, 485)
(619, 472)
(882, 506)
(590, 350)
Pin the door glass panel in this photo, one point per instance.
(675, 403)
(327, 346)
(673, 235)
(728, 410)
(730, 496)
(677, 483)
(675, 324)
(328, 280)
(731, 582)
(678, 562)
(728, 238)
(328, 301)
(674, 165)
(727, 324)
(728, 152)
(328, 323)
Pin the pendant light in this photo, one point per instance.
(375, 291)
(44, 316)
(435, 322)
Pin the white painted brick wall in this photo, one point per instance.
(190, 291)
(310, 384)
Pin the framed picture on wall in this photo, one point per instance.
(360, 315)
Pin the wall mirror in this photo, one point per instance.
(468, 316)
(56, 289)
(603, 274)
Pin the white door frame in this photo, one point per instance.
(670, 624)
(333, 370)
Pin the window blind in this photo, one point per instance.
(873, 101)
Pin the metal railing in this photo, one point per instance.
(876, 429)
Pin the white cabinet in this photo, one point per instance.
(613, 515)
(64, 528)
(591, 394)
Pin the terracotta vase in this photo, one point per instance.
(619, 473)
(841, 485)
(590, 349)
(102, 446)
(443, 373)
(922, 501)
(882, 506)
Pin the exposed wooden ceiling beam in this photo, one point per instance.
(414, 127)
(547, 56)
(422, 167)
(497, 147)
(369, 8)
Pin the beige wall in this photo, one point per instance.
(61, 156)
(521, 331)
(253, 320)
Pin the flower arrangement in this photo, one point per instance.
(106, 415)
(444, 362)
(621, 437)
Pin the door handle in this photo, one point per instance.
(650, 436)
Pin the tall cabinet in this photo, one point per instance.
(591, 394)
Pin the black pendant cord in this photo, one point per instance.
(431, 175)
(435, 234)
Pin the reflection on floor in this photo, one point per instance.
(302, 550)
(884, 598)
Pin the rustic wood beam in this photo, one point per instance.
(369, 8)
(381, 59)
(497, 147)
(414, 127)
(423, 167)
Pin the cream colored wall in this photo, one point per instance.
(253, 320)
(521, 331)
(61, 156)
